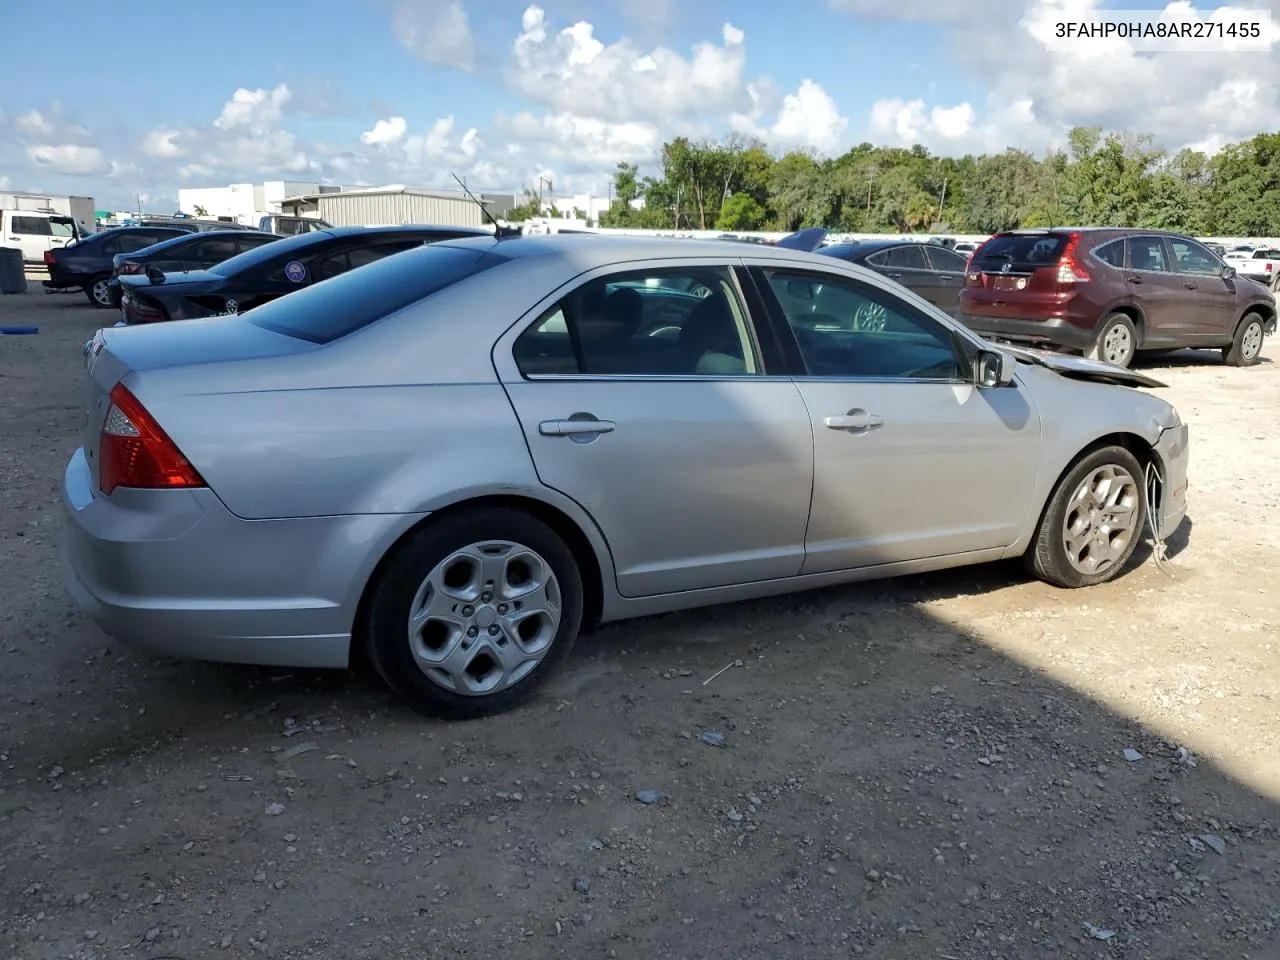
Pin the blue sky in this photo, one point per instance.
(131, 100)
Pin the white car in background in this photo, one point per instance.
(35, 231)
(1263, 265)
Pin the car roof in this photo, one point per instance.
(402, 228)
(874, 246)
(591, 250)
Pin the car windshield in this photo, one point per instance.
(290, 246)
(1028, 250)
(339, 306)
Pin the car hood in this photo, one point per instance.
(1082, 369)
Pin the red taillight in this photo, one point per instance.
(131, 266)
(48, 258)
(1069, 269)
(146, 309)
(135, 452)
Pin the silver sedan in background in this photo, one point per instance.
(463, 455)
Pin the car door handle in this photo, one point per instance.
(1134, 279)
(895, 276)
(858, 421)
(1190, 286)
(946, 276)
(575, 428)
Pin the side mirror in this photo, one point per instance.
(1228, 273)
(993, 368)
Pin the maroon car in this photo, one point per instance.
(1113, 292)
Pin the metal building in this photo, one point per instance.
(390, 205)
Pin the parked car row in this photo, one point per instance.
(520, 438)
(1110, 293)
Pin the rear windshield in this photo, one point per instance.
(353, 300)
(1021, 250)
(260, 255)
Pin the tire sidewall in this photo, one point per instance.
(1056, 514)
(1118, 320)
(1250, 320)
(388, 609)
(89, 288)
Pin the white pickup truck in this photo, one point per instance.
(1263, 266)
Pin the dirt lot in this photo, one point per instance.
(927, 768)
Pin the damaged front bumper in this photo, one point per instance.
(1172, 454)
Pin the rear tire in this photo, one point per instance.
(1117, 340)
(1092, 522)
(1246, 347)
(474, 612)
(98, 292)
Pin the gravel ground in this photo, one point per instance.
(931, 767)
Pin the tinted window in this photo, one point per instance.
(1027, 250)
(847, 329)
(356, 299)
(907, 257)
(32, 226)
(687, 321)
(1111, 253)
(216, 249)
(286, 249)
(946, 260)
(249, 241)
(1147, 253)
(842, 250)
(1191, 257)
(130, 242)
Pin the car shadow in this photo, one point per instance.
(1184, 358)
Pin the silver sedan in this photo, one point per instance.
(462, 456)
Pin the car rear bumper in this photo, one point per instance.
(175, 573)
(1039, 333)
(1172, 449)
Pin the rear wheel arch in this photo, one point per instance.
(565, 527)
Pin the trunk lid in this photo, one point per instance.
(115, 353)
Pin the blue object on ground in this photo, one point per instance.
(13, 331)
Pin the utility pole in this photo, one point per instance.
(942, 199)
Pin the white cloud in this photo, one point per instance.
(386, 132)
(1037, 90)
(435, 30)
(69, 158)
(162, 143)
(806, 119)
(34, 124)
(254, 110)
(573, 72)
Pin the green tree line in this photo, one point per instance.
(1100, 179)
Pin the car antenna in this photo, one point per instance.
(499, 231)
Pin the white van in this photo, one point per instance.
(33, 232)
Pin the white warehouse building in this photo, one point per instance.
(245, 203)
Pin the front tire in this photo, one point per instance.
(98, 292)
(1117, 341)
(1093, 521)
(1246, 347)
(473, 614)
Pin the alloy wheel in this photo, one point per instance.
(1101, 519)
(484, 617)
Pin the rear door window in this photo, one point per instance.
(1147, 254)
(1020, 252)
(908, 257)
(216, 249)
(30, 226)
(1111, 253)
(325, 312)
(946, 261)
(132, 242)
